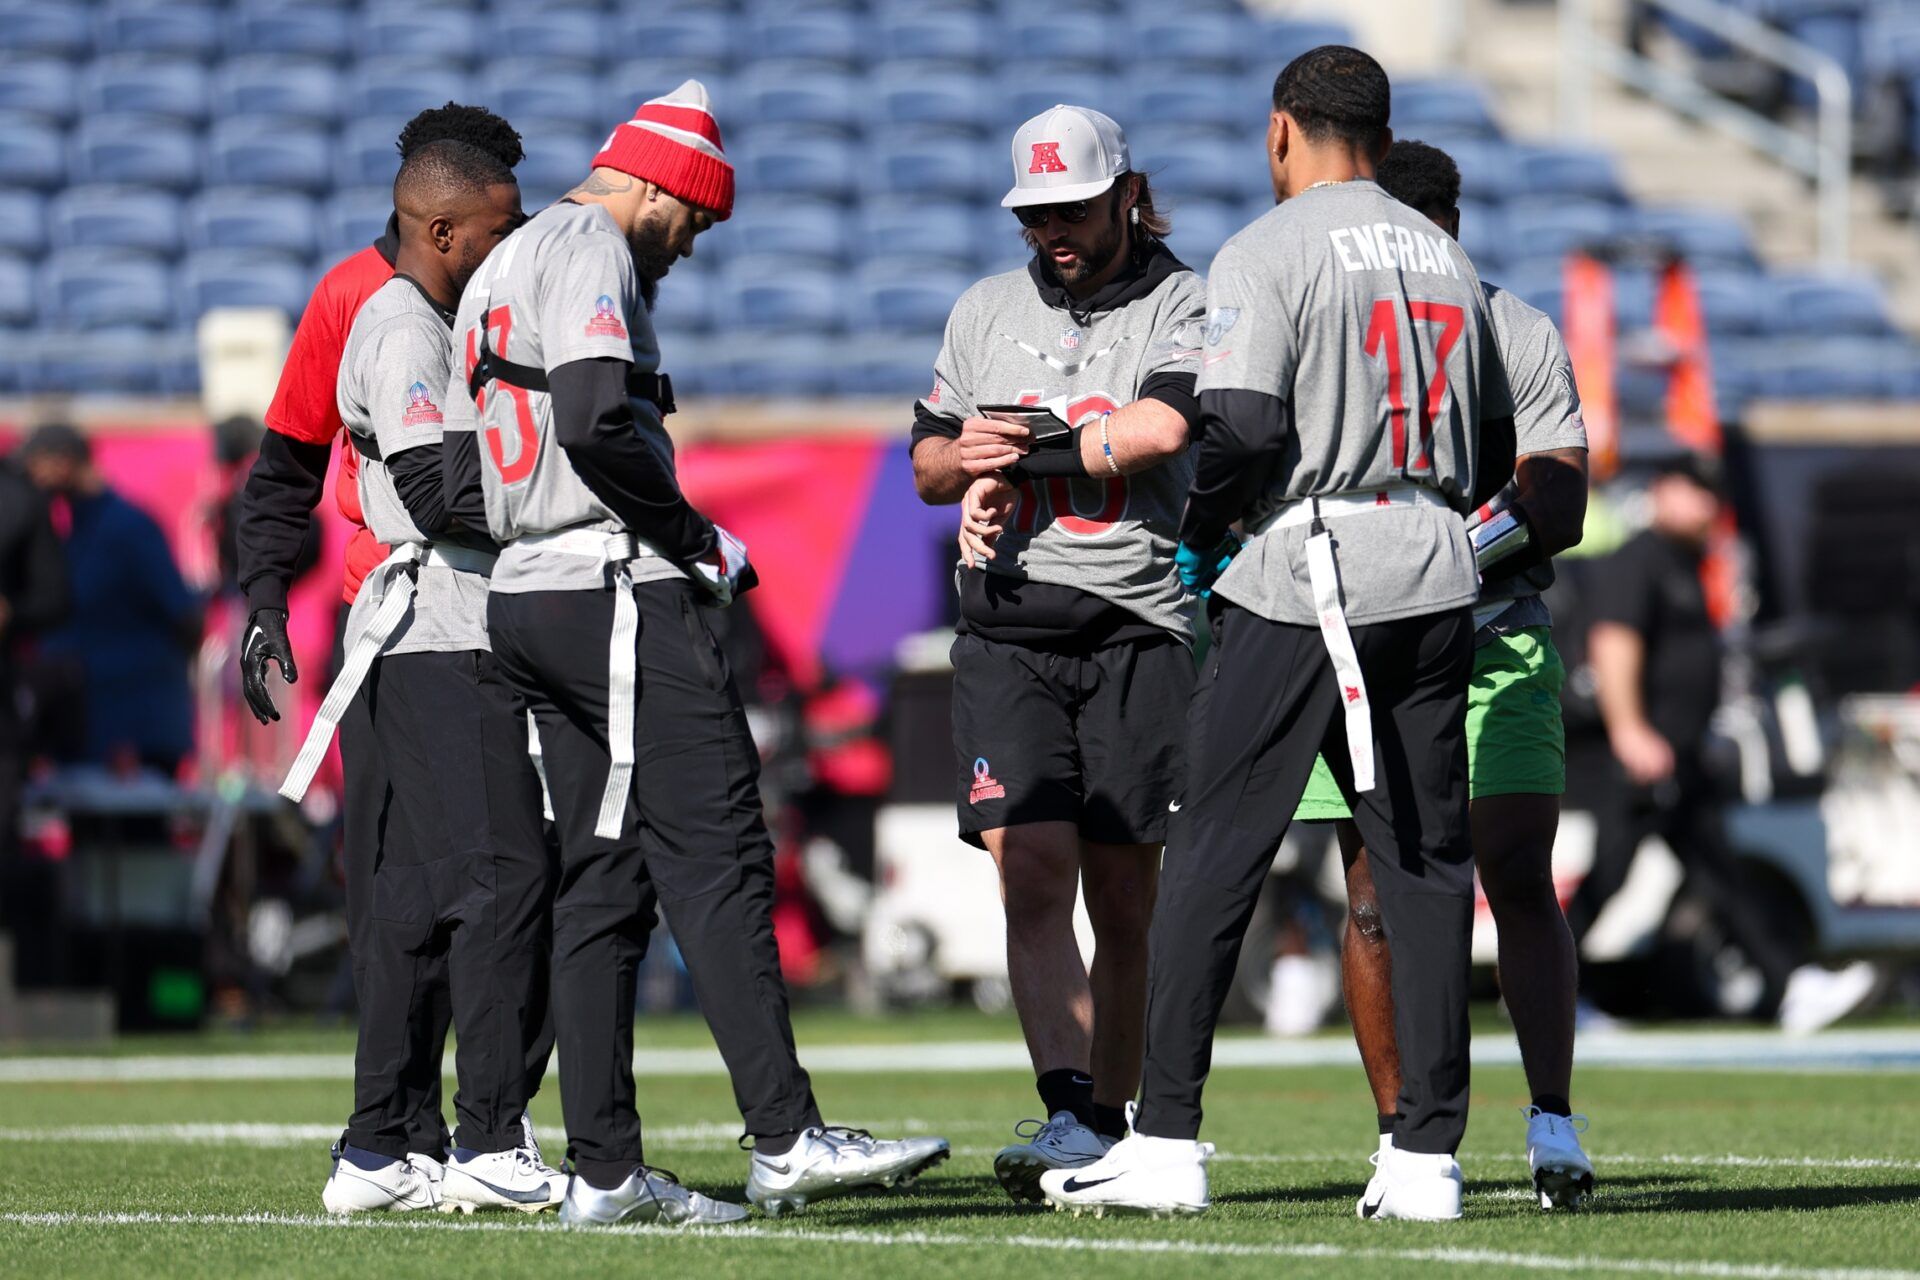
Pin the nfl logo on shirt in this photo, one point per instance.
(1070, 340)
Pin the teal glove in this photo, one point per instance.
(1199, 570)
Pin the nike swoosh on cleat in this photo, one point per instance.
(1074, 1185)
(518, 1197)
(782, 1169)
(1172, 808)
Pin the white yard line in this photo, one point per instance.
(1882, 1049)
(1090, 1243)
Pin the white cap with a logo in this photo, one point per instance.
(1065, 154)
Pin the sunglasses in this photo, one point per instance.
(1035, 216)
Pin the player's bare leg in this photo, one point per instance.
(1513, 850)
(1366, 981)
(1039, 865)
(1120, 881)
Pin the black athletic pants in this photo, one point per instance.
(1686, 813)
(462, 888)
(1267, 703)
(695, 842)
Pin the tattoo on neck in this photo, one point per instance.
(596, 185)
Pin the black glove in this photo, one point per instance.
(264, 640)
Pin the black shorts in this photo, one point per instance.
(1098, 740)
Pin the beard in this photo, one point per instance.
(1095, 260)
(653, 257)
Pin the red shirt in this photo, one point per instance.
(304, 407)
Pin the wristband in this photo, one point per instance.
(1106, 445)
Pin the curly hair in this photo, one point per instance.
(1420, 176)
(1336, 92)
(455, 122)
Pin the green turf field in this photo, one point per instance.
(1703, 1173)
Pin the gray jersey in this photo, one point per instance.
(393, 373)
(1112, 536)
(1546, 415)
(561, 288)
(1368, 323)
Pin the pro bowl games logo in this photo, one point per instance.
(421, 411)
(606, 322)
(984, 787)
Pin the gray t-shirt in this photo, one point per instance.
(393, 372)
(561, 288)
(1110, 536)
(1368, 322)
(1546, 415)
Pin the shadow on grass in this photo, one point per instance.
(1747, 1199)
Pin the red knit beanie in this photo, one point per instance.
(674, 143)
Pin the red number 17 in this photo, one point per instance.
(1383, 339)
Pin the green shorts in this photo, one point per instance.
(1515, 743)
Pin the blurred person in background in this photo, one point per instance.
(135, 624)
(1656, 659)
(33, 598)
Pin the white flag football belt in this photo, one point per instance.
(617, 550)
(1324, 574)
(393, 587)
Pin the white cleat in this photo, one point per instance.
(1158, 1176)
(498, 1180)
(1059, 1142)
(834, 1161)
(1562, 1173)
(1816, 998)
(363, 1182)
(531, 1145)
(434, 1167)
(1414, 1186)
(648, 1196)
(1376, 1185)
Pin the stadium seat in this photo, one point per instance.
(1735, 303)
(1833, 27)
(911, 97)
(1185, 36)
(269, 153)
(1482, 232)
(1540, 285)
(212, 278)
(1569, 171)
(685, 305)
(1020, 93)
(912, 226)
(222, 218)
(39, 85)
(1040, 33)
(685, 33)
(124, 361)
(1705, 237)
(115, 218)
(366, 154)
(403, 86)
(134, 26)
(1202, 165)
(1891, 42)
(270, 26)
(1539, 227)
(891, 367)
(1200, 227)
(544, 88)
(1190, 96)
(812, 232)
(559, 156)
(23, 222)
(140, 150)
(1273, 43)
(1452, 105)
(100, 288)
(996, 240)
(576, 34)
(1489, 170)
(639, 80)
(932, 162)
(32, 153)
(170, 87)
(781, 366)
(899, 295)
(438, 36)
(955, 36)
(286, 88)
(787, 91)
(798, 159)
(353, 219)
(63, 30)
(16, 291)
(1820, 305)
(755, 293)
(826, 36)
